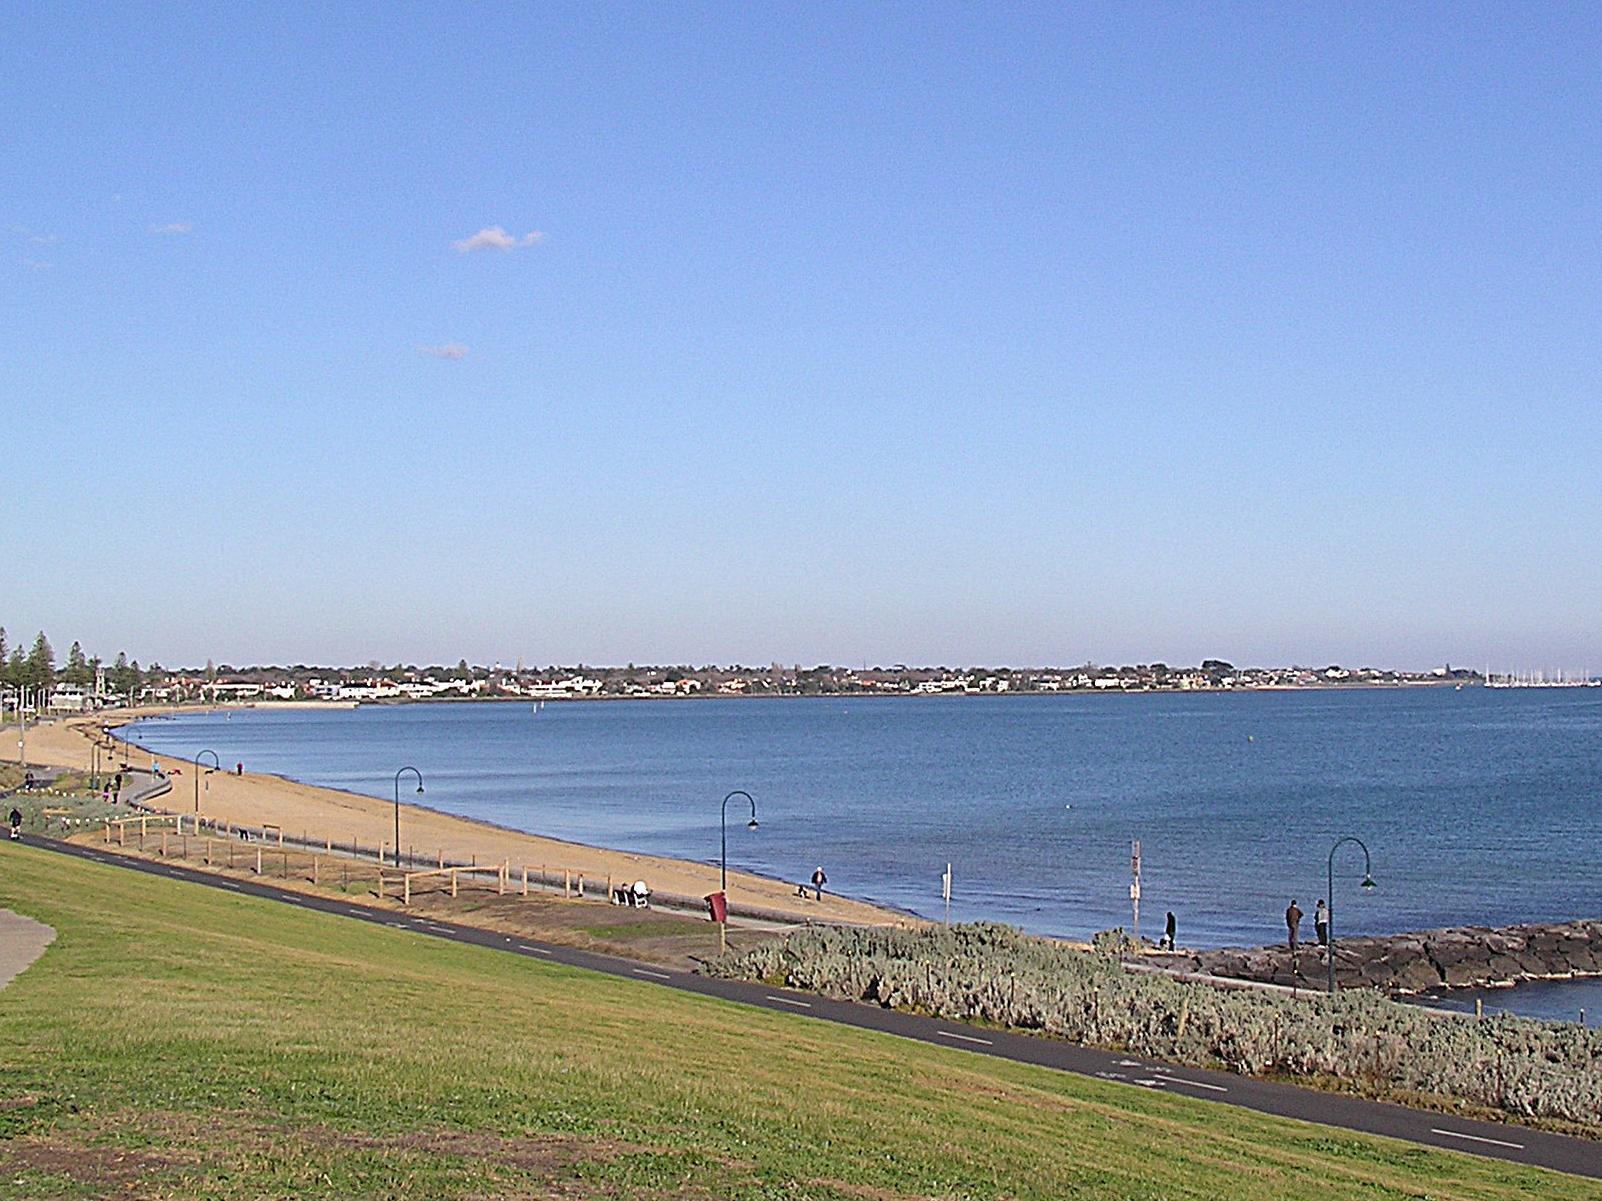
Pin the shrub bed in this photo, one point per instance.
(998, 975)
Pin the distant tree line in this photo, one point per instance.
(36, 668)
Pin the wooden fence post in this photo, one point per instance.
(525, 879)
(453, 881)
(164, 844)
(406, 886)
(317, 867)
(258, 859)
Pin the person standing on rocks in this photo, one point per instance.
(1321, 923)
(1169, 931)
(1293, 923)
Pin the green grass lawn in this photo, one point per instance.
(180, 1042)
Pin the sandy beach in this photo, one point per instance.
(256, 799)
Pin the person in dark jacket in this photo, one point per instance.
(1169, 931)
(16, 823)
(818, 881)
(1293, 923)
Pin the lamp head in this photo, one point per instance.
(419, 790)
(1368, 883)
(752, 824)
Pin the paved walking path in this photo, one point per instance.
(22, 940)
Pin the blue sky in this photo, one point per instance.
(904, 333)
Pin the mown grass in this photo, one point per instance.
(176, 1041)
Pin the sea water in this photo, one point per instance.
(1477, 806)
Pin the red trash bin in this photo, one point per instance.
(717, 904)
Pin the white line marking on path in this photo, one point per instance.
(229, 884)
(523, 946)
(640, 971)
(790, 1001)
(1474, 1138)
(967, 1038)
(1217, 1088)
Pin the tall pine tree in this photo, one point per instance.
(41, 664)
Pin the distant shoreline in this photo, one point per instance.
(167, 708)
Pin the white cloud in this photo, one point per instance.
(449, 350)
(173, 229)
(495, 238)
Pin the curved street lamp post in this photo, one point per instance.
(723, 859)
(1368, 885)
(217, 767)
(398, 776)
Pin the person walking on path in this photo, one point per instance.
(16, 823)
(818, 881)
(1168, 932)
(1293, 923)
(1321, 923)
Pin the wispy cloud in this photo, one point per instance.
(173, 229)
(495, 238)
(449, 350)
(35, 239)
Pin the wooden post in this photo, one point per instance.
(280, 836)
(381, 845)
(164, 844)
(453, 881)
(258, 859)
(317, 869)
(567, 883)
(608, 888)
(381, 882)
(406, 886)
(525, 879)
(442, 857)
(581, 886)
(500, 881)
(230, 853)
(328, 845)
(121, 826)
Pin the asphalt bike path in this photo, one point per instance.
(1518, 1144)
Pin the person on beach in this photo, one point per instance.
(1168, 932)
(1321, 923)
(818, 881)
(1293, 923)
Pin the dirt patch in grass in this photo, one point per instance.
(103, 1169)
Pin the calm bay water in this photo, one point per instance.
(1479, 806)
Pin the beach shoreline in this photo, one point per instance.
(256, 799)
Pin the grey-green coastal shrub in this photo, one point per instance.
(995, 974)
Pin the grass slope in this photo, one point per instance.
(176, 1041)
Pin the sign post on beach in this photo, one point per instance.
(1134, 885)
(945, 891)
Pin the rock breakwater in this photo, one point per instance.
(1458, 957)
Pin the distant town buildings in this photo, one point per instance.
(367, 685)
